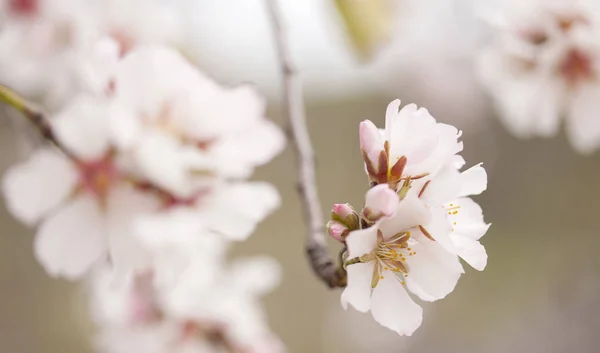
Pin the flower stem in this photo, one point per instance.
(316, 247)
(33, 114)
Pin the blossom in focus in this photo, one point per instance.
(416, 220)
(393, 256)
(542, 67)
(51, 50)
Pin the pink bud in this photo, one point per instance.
(346, 215)
(373, 151)
(380, 201)
(337, 230)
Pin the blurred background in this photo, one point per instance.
(540, 290)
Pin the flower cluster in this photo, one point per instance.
(417, 219)
(543, 66)
(145, 184)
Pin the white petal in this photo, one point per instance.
(33, 188)
(410, 213)
(138, 73)
(83, 127)
(168, 163)
(445, 185)
(583, 126)
(235, 210)
(471, 251)
(381, 201)
(71, 240)
(392, 307)
(432, 271)
(439, 228)
(358, 290)
(468, 220)
(258, 275)
(126, 250)
(474, 181)
(362, 241)
(237, 154)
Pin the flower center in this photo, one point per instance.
(23, 7)
(576, 67)
(97, 177)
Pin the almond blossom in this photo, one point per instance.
(130, 173)
(415, 221)
(416, 152)
(52, 49)
(216, 307)
(542, 66)
(393, 255)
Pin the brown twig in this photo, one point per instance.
(35, 116)
(316, 246)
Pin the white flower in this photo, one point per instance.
(417, 153)
(393, 254)
(412, 144)
(231, 301)
(458, 214)
(181, 128)
(83, 207)
(543, 66)
(52, 49)
(211, 305)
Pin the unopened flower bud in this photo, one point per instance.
(346, 215)
(381, 201)
(337, 230)
(373, 152)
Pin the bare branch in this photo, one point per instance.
(33, 114)
(316, 246)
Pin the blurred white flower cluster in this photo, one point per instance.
(146, 186)
(417, 219)
(542, 68)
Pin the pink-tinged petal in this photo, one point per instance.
(468, 220)
(474, 181)
(237, 154)
(73, 239)
(471, 251)
(393, 308)
(371, 145)
(83, 127)
(391, 120)
(380, 201)
(583, 127)
(34, 188)
(432, 271)
(362, 241)
(234, 210)
(410, 213)
(358, 290)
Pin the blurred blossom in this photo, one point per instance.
(430, 59)
(415, 221)
(215, 308)
(153, 156)
(543, 66)
(52, 49)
